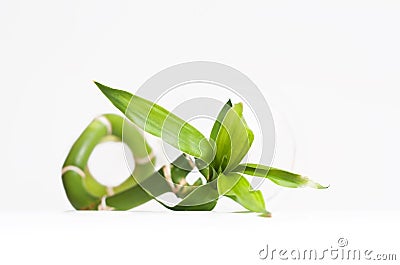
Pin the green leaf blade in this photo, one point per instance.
(226, 182)
(233, 141)
(202, 198)
(217, 124)
(278, 176)
(159, 122)
(243, 193)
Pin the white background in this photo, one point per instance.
(331, 67)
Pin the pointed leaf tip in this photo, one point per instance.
(119, 98)
(278, 176)
(266, 214)
(316, 185)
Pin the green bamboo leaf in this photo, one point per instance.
(159, 122)
(202, 194)
(208, 171)
(278, 176)
(242, 192)
(233, 141)
(226, 182)
(217, 124)
(202, 198)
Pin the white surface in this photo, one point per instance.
(189, 238)
(332, 67)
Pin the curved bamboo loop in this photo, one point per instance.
(83, 190)
(85, 193)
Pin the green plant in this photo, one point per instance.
(218, 158)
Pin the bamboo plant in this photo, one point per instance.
(218, 158)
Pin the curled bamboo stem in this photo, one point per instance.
(86, 193)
